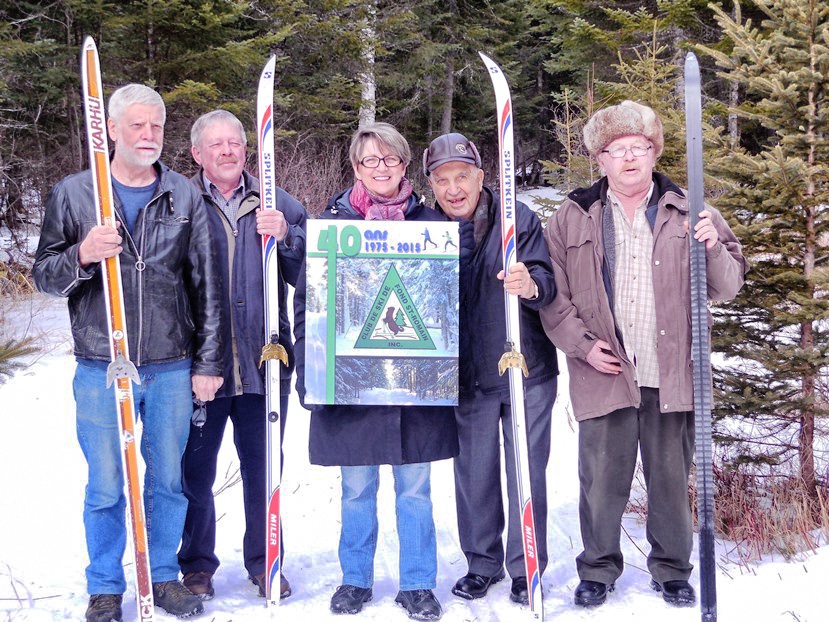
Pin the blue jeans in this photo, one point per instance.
(415, 526)
(164, 404)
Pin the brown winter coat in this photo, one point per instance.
(582, 311)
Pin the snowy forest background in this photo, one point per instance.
(413, 63)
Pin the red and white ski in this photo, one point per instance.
(512, 358)
(121, 371)
(272, 352)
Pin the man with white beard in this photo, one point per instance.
(172, 300)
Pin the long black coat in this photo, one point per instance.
(482, 313)
(367, 435)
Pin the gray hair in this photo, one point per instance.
(383, 133)
(215, 116)
(131, 94)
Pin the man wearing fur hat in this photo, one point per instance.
(453, 167)
(620, 253)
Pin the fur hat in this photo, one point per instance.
(625, 119)
(452, 147)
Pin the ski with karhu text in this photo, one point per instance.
(272, 352)
(121, 372)
(700, 347)
(512, 359)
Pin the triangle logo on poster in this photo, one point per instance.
(394, 321)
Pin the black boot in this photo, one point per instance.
(420, 604)
(592, 593)
(678, 593)
(519, 593)
(474, 585)
(350, 599)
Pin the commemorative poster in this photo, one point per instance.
(381, 317)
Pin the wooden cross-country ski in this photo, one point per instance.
(121, 372)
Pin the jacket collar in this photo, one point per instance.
(665, 192)
(251, 183)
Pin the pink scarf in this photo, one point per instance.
(373, 207)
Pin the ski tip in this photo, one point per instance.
(268, 69)
(691, 59)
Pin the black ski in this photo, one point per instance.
(700, 347)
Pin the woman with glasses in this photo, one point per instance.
(360, 438)
(620, 252)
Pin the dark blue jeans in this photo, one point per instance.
(198, 543)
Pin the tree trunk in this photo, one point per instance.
(807, 337)
(448, 96)
(368, 82)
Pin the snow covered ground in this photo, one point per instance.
(43, 555)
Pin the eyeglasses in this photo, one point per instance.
(373, 161)
(619, 151)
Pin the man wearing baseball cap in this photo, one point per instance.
(620, 252)
(453, 166)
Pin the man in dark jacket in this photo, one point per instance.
(453, 167)
(231, 196)
(172, 299)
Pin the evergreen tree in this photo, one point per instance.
(778, 192)
(648, 74)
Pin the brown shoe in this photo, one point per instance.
(284, 585)
(200, 583)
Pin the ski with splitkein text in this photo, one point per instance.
(273, 353)
(512, 360)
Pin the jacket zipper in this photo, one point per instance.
(140, 266)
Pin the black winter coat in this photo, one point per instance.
(239, 254)
(482, 310)
(173, 304)
(369, 435)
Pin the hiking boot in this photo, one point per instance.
(176, 599)
(474, 585)
(420, 604)
(200, 583)
(678, 593)
(104, 608)
(350, 599)
(284, 585)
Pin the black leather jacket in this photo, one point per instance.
(173, 305)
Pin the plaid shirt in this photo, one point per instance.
(633, 290)
(230, 207)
